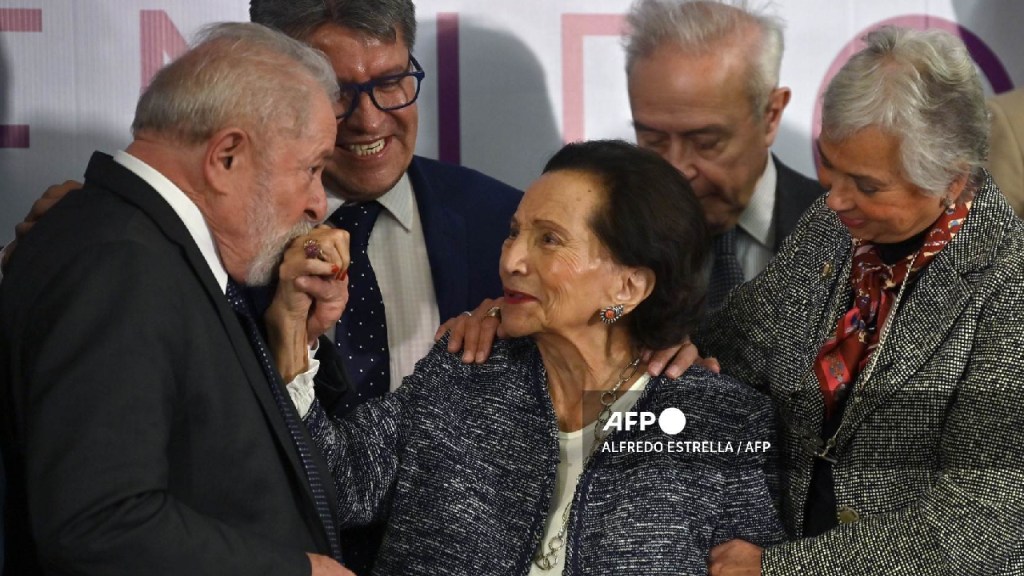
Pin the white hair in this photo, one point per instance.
(923, 88)
(703, 27)
(236, 72)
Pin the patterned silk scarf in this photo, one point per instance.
(875, 285)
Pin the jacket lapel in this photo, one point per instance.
(922, 322)
(809, 325)
(133, 189)
(444, 232)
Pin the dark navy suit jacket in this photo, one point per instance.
(794, 193)
(465, 217)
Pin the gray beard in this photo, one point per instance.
(263, 268)
(272, 246)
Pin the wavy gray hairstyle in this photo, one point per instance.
(380, 19)
(235, 73)
(923, 88)
(702, 27)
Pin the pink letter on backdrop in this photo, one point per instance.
(161, 42)
(18, 20)
(574, 28)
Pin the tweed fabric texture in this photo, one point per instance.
(929, 477)
(461, 461)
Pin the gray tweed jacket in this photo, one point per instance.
(461, 463)
(929, 472)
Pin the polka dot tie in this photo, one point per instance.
(726, 272)
(244, 309)
(362, 334)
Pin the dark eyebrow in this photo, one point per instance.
(397, 72)
(641, 127)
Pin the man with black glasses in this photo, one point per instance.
(430, 233)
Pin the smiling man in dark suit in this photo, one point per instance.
(143, 428)
(435, 229)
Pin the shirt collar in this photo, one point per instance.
(184, 207)
(756, 219)
(398, 201)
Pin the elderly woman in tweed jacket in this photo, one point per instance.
(524, 464)
(889, 332)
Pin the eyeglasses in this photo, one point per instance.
(386, 93)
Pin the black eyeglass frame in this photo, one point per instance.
(417, 73)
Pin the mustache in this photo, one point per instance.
(264, 267)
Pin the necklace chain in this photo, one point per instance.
(547, 560)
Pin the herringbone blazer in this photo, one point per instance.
(929, 472)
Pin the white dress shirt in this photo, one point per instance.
(755, 241)
(398, 254)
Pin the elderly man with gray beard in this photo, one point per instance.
(144, 427)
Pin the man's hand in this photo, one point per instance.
(674, 360)
(326, 566)
(312, 292)
(41, 206)
(473, 332)
(735, 558)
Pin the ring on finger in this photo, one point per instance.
(467, 313)
(494, 312)
(313, 250)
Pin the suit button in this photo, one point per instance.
(847, 515)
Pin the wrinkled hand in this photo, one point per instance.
(735, 558)
(41, 206)
(311, 295)
(473, 333)
(674, 360)
(325, 566)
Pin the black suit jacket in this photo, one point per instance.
(140, 435)
(794, 194)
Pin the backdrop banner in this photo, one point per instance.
(507, 82)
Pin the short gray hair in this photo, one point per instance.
(234, 73)
(921, 87)
(701, 27)
(299, 19)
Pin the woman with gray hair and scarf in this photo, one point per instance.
(889, 332)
